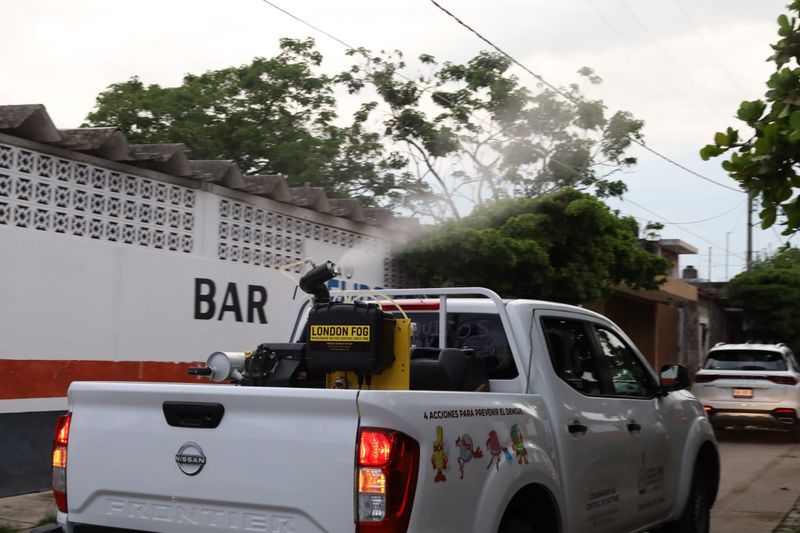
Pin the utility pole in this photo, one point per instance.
(709, 264)
(727, 252)
(749, 256)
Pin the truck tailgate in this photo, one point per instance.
(279, 460)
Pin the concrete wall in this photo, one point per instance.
(707, 322)
(107, 274)
(667, 337)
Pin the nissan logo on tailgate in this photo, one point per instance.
(190, 459)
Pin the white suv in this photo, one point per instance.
(750, 385)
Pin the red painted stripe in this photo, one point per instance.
(411, 305)
(26, 378)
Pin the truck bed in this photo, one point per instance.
(279, 460)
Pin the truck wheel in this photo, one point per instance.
(513, 524)
(696, 517)
(531, 510)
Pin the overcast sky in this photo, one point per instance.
(682, 66)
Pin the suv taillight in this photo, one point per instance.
(388, 462)
(704, 378)
(779, 379)
(60, 442)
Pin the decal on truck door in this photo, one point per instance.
(496, 450)
(466, 452)
(518, 444)
(442, 414)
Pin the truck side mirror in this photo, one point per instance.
(674, 377)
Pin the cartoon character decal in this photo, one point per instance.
(518, 444)
(496, 450)
(439, 457)
(466, 452)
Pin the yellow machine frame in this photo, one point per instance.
(396, 377)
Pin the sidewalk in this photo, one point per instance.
(26, 511)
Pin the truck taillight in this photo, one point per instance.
(388, 462)
(60, 442)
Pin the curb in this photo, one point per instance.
(48, 528)
(791, 522)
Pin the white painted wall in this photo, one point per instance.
(71, 288)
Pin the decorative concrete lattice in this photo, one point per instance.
(256, 236)
(47, 193)
(393, 276)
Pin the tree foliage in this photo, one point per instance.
(566, 246)
(273, 116)
(768, 296)
(764, 158)
(478, 135)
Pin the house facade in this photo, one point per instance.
(655, 319)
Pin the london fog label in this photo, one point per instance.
(242, 304)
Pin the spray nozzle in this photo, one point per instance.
(314, 282)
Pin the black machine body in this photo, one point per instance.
(350, 337)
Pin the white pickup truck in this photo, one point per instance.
(563, 427)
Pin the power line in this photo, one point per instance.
(543, 81)
(573, 99)
(664, 51)
(537, 76)
(737, 206)
(315, 28)
(340, 41)
(507, 55)
(709, 46)
(643, 219)
(660, 74)
(664, 219)
(682, 167)
(414, 82)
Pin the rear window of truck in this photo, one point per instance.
(745, 360)
(481, 332)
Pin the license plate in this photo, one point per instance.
(742, 393)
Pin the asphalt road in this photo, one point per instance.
(760, 481)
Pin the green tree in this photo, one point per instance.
(566, 246)
(477, 135)
(768, 297)
(764, 159)
(272, 116)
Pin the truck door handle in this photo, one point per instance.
(633, 427)
(577, 427)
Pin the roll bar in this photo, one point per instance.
(442, 295)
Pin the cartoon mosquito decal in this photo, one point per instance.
(518, 444)
(466, 452)
(496, 450)
(439, 457)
